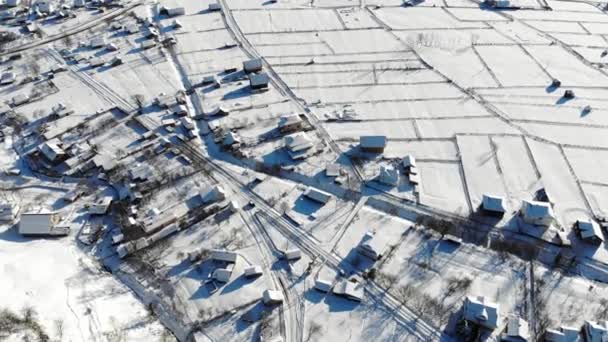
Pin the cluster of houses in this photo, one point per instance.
(485, 314)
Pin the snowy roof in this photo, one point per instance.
(231, 138)
(317, 195)
(589, 230)
(37, 223)
(213, 194)
(297, 142)
(292, 254)
(332, 170)
(353, 291)
(252, 271)
(214, 6)
(176, 11)
(388, 175)
(563, 334)
(481, 311)
(289, 120)
(222, 274)
(51, 150)
(493, 203)
(372, 141)
(97, 42)
(596, 331)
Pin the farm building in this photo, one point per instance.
(370, 246)
(252, 65)
(480, 311)
(537, 213)
(317, 195)
(493, 205)
(272, 297)
(372, 143)
(590, 231)
(41, 224)
(223, 274)
(290, 123)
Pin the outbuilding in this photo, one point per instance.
(223, 255)
(175, 11)
(252, 65)
(518, 330)
(222, 274)
(317, 195)
(590, 231)
(272, 297)
(388, 176)
(372, 143)
(52, 151)
(297, 145)
(7, 213)
(8, 78)
(292, 254)
(595, 331)
(253, 271)
(350, 290)
(97, 43)
(214, 6)
(41, 224)
(259, 81)
(323, 285)
(537, 213)
(493, 205)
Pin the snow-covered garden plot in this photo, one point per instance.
(265, 4)
(480, 168)
(361, 41)
(596, 28)
(563, 134)
(560, 184)
(518, 70)
(519, 32)
(386, 230)
(586, 40)
(588, 164)
(474, 14)
(196, 23)
(592, 54)
(557, 26)
(423, 149)
(597, 195)
(422, 18)
(202, 62)
(554, 113)
(561, 16)
(518, 170)
(202, 41)
(357, 18)
(287, 20)
(190, 7)
(293, 50)
(447, 128)
(391, 129)
(381, 92)
(441, 186)
(573, 6)
(346, 66)
(426, 269)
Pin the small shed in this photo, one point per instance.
(480, 311)
(213, 194)
(537, 213)
(493, 205)
(317, 195)
(259, 81)
(7, 213)
(517, 330)
(8, 78)
(148, 44)
(214, 6)
(175, 11)
(350, 290)
(333, 170)
(323, 285)
(253, 271)
(590, 231)
(292, 254)
(223, 255)
(372, 143)
(52, 151)
(222, 274)
(272, 297)
(101, 206)
(409, 161)
(252, 65)
(370, 246)
(97, 43)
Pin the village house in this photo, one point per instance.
(317, 195)
(388, 176)
(213, 194)
(253, 271)
(350, 290)
(52, 151)
(370, 246)
(223, 255)
(97, 43)
(292, 254)
(290, 123)
(372, 143)
(537, 213)
(272, 297)
(480, 311)
(297, 145)
(518, 330)
(323, 285)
